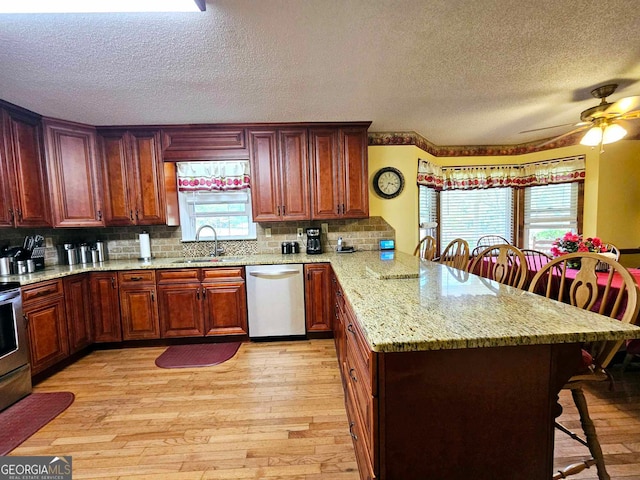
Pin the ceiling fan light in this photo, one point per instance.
(613, 133)
(593, 137)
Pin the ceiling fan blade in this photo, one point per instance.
(630, 115)
(624, 105)
(554, 126)
(570, 132)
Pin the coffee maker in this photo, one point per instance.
(314, 245)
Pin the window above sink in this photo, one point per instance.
(217, 194)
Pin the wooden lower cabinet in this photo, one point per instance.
(202, 302)
(44, 308)
(317, 292)
(138, 307)
(105, 307)
(77, 297)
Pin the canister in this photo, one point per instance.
(31, 266)
(101, 247)
(85, 253)
(22, 267)
(95, 256)
(5, 266)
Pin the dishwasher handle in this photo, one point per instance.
(274, 274)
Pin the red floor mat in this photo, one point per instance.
(198, 355)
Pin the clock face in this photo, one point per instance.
(388, 182)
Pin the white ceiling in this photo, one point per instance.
(458, 72)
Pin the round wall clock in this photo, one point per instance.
(388, 182)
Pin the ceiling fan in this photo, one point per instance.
(602, 122)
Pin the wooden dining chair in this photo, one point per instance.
(456, 254)
(488, 241)
(426, 248)
(505, 264)
(585, 292)
(536, 259)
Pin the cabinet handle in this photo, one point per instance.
(19, 211)
(198, 294)
(153, 297)
(26, 320)
(338, 208)
(204, 293)
(131, 215)
(11, 214)
(135, 279)
(338, 293)
(278, 210)
(113, 282)
(343, 209)
(136, 214)
(284, 212)
(353, 377)
(350, 328)
(99, 214)
(353, 435)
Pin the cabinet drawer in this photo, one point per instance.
(364, 402)
(222, 274)
(41, 290)
(182, 275)
(134, 277)
(363, 452)
(360, 348)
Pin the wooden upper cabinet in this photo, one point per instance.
(74, 178)
(339, 173)
(197, 143)
(24, 197)
(279, 174)
(133, 179)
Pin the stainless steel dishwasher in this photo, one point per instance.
(275, 300)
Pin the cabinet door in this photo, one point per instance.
(77, 298)
(105, 307)
(294, 174)
(265, 182)
(325, 194)
(74, 178)
(26, 173)
(118, 203)
(6, 178)
(147, 177)
(354, 159)
(226, 308)
(180, 309)
(47, 328)
(317, 290)
(139, 313)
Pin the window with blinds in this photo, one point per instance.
(470, 214)
(428, 211)
(549, 212)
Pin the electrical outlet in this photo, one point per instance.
(267, 232)
(299, 233)
(324, 227)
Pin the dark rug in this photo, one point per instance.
(197, 355)
(26, 417)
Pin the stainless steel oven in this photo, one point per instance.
(15, 371)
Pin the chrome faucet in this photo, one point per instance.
(215, 238)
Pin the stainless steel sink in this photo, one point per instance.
(207, 260)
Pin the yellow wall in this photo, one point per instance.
(612, 189)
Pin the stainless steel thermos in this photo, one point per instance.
(290, 247)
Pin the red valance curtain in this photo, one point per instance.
(563, 170)
(213, 176)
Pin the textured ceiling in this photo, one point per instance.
(455, 71)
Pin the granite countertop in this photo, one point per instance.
(405, 304)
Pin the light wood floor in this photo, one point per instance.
(274, 411)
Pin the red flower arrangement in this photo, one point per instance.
(572, 242)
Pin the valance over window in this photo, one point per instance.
(213, 176)
(562, 170)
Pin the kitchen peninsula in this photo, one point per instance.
(443, 371)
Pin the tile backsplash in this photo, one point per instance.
(122, 242)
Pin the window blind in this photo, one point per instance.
(470, 214)
(549, 212)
